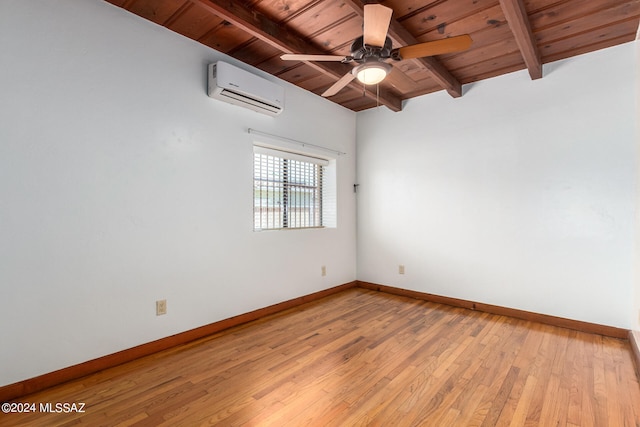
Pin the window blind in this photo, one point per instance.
(287, 189)
(260, 149)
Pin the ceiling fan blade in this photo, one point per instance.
(337, 86)
(436, 47)
(376, 24)
(302, 57)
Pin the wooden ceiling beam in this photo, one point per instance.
(272, 33)
(401, 37)
(518, 20)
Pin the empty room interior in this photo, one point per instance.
(209, 216)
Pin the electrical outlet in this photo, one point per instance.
(323, 269)
(161, 307)
(401, 269)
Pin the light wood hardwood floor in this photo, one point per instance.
(364, 358)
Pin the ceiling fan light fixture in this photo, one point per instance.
(371, 73)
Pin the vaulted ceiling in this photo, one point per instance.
(508, 35)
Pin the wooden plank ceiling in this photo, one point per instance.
(508, 35)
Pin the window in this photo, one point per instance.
(287, 189)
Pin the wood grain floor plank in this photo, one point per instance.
(366, 358)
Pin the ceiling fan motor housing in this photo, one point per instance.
(361, 52)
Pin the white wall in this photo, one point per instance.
(520, 194)
(122, 183)
(636, 300)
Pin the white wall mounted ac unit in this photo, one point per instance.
(237, 86)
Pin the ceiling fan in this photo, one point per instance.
(371, 50)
